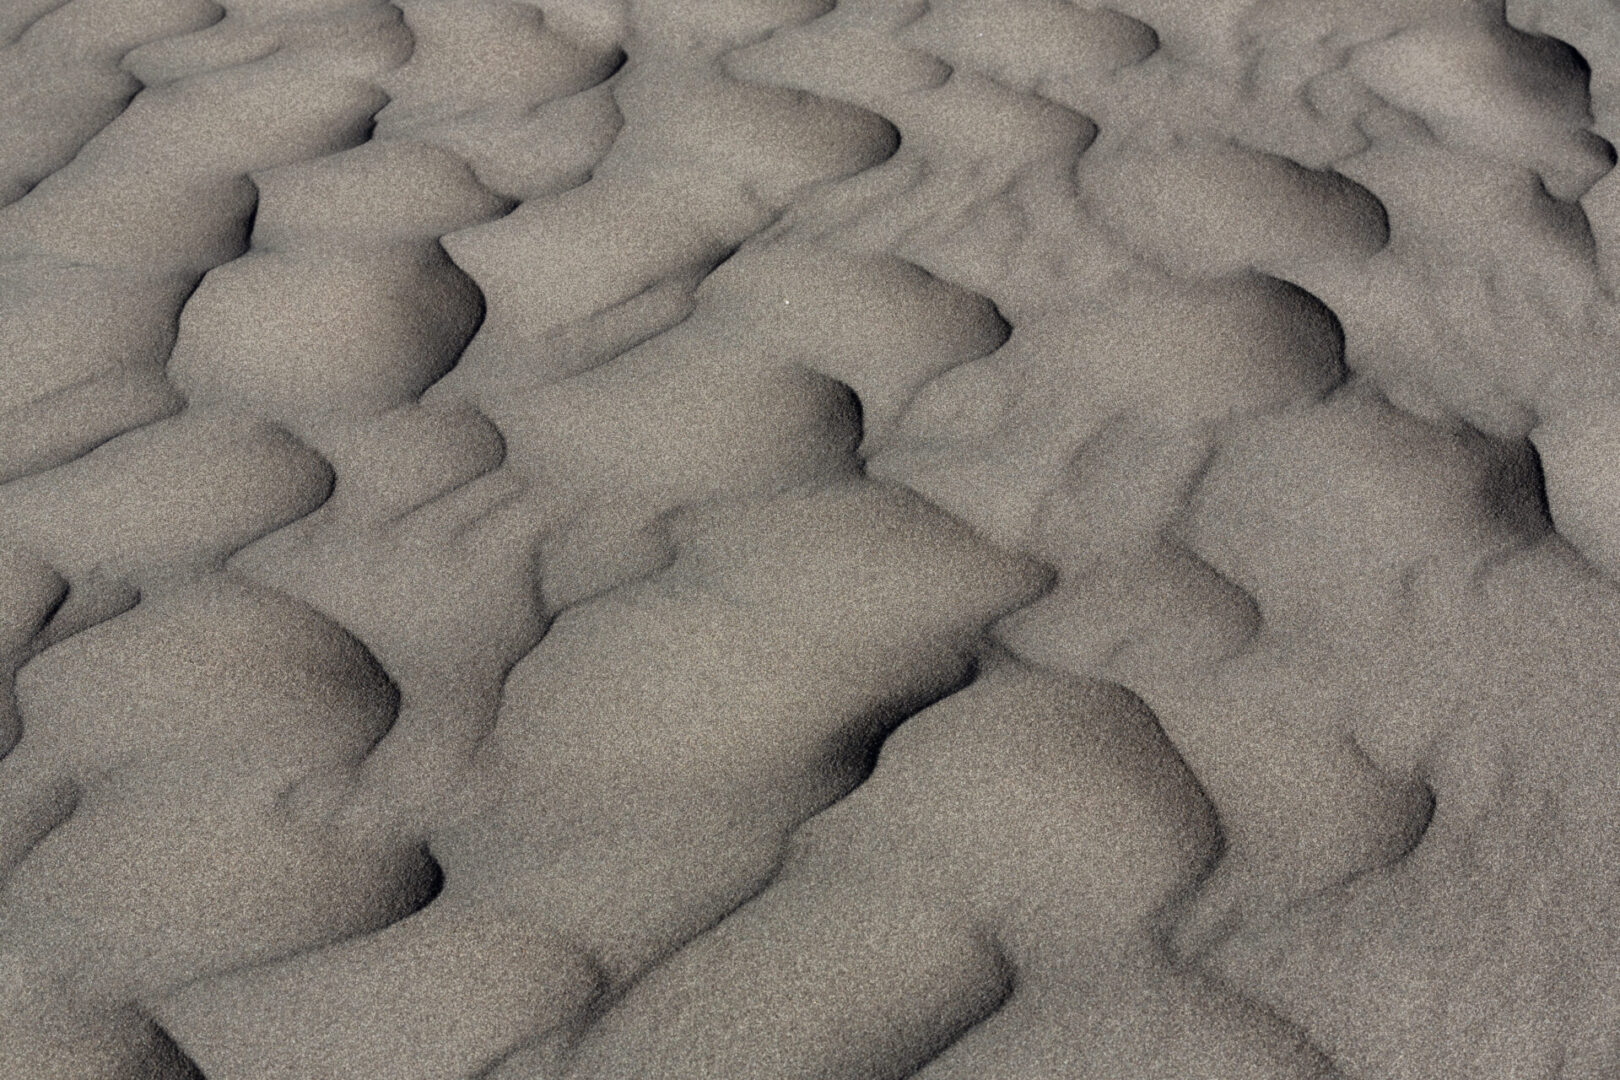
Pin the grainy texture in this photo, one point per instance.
(793, 540)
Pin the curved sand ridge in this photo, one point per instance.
(781, 539)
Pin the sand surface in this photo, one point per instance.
(793, 540)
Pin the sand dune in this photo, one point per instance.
(760, 539)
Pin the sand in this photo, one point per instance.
(794, 540)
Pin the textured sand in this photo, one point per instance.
(783, 540)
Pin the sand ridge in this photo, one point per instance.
(776, 538)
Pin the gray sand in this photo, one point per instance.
(793, 540)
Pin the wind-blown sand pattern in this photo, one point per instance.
(793, 540)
